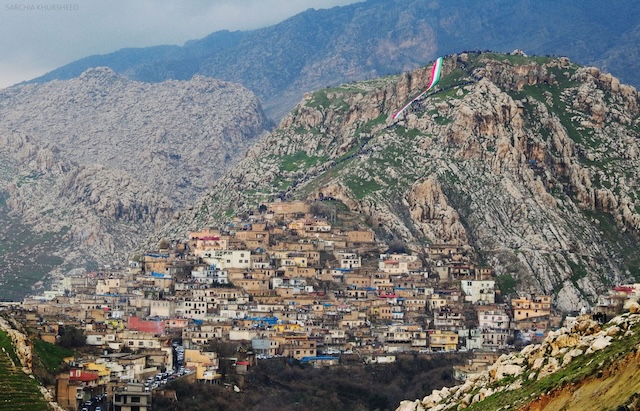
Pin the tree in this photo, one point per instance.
(71, 337)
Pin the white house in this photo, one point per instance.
(228, 258)
(479, 291)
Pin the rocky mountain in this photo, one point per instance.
(102, 160)
(320, 48)
(585, 366)
(530, 161)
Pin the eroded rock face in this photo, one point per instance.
(523, 161)
(437, 220)
(108, 160)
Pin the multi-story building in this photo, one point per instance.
(228, 258)
(493, 317)
(131, 397)
(210, 275)
(537, 306)
(448, 318)
(478, 291)
(348, 260)
(443, 340)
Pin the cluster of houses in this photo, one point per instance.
(282, 282)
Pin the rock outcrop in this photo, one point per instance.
(567, 356)
(529, 161)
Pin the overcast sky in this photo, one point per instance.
(40, 35)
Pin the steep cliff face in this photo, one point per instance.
(530, 161)
(103, 160)
(585, 366)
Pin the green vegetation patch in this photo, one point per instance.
(578, 271)
(405, 132)
(300, 159)
(51, 355)
(7, 347)
(361, 187)
(321, 100)
(370, 125)
(29, 178)
(506, 284)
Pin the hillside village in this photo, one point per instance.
(294, 280)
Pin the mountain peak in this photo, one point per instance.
(375, 38)
(100, 73)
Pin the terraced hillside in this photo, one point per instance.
(18, 392)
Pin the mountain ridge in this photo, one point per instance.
(319, 48)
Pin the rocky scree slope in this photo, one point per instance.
(104, 160)
(584, 366)
(531, 162)
(368, 39)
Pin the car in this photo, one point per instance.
(98, 408)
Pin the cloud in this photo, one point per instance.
(37, 36)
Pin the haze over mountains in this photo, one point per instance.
(320, 48)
